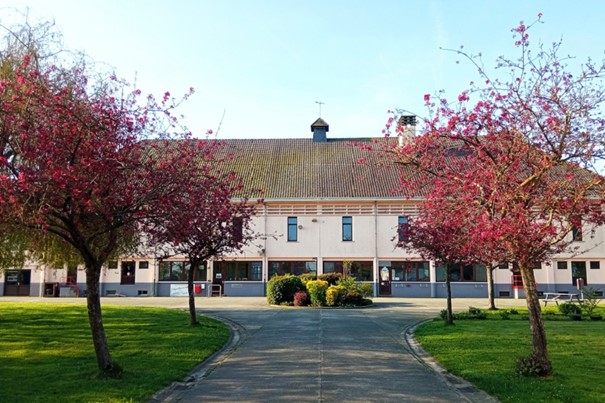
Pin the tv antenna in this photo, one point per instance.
(320, 104)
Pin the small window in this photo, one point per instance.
(576, 233)
(347, 228)
(238, 230)
(596, 265)
(562, 265)
(292, 229)
(503, 266)
(402, 228)
(144, 264)
(112, 264)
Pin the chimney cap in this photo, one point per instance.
(320, 124)
(405, 120)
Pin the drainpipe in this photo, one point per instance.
(265, 275)
(376, 268)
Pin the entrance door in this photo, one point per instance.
(128, 270)
(384, 286)
(17, 283)
(578, 271)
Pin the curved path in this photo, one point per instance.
(322, 355)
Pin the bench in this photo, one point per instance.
(559, 296)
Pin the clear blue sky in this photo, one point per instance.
(266, 62)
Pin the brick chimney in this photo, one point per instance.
(408, 124)
(319, 129)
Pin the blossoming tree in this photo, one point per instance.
(210, 215)
(75, 163)
(518, 155)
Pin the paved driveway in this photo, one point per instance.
(314, 355)
(322, 355)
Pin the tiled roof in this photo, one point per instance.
(302, 169)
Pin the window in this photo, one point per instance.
(143, 264)
(462, 273)
(178, 270)
(576, 233)
(408, 270)
(127, 273)
(561, 265)
(292, 229)
(596, 265)
(503, 266)
(292, 267)
(112, 264)
(238, 230)
(239, 271)
(402, 228)
(72, 274)
(578, 271)
(347, 228)
(361, 270)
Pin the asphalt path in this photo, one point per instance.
(324, 355)
(285, 354)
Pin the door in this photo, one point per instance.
(128, 270)
(384, 286)
(17, 283)
(578, 271)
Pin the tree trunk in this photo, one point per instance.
(95, 318)
(448, 287)
(539, 353)
(190, 277)
(489, 271)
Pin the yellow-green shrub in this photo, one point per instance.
(317, 292)
(335, 295)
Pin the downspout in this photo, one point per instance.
(376, 268)
(265, 258)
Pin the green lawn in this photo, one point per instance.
(485, 352)
(46, 351)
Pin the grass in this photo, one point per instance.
(46, 352)
(485, 352)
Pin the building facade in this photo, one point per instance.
(326, 202)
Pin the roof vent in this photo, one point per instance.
(319, 129)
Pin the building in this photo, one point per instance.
(322, 208)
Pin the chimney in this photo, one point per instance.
(407, 123)
(319, 129)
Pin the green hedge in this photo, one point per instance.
(281, 289)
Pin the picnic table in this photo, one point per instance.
(560, 296)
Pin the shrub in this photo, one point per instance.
(350, 284)
(513, 311)
(504, 315)
(281, 289)
(366, 289)
(306, 277)
(301, 298)
(591, 298)
(474, 311)
(335, 295)
(317, 292)
(568, 308)
(354, 298)
(331, 278)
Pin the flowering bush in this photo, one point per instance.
(301, 298)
